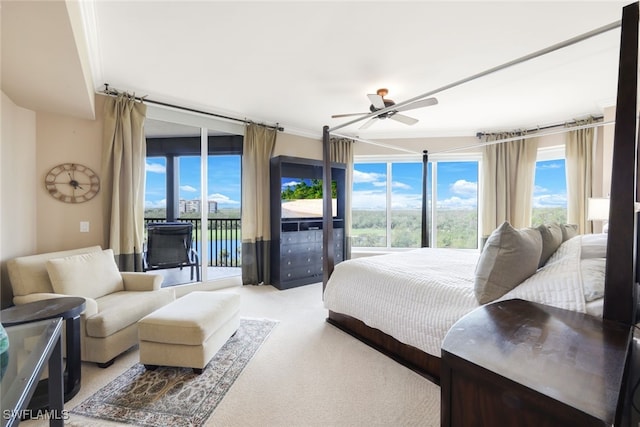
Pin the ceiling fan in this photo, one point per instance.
(378, 102)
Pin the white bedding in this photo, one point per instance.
(416, 296)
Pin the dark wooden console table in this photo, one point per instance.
(69, 309)
(520, 363)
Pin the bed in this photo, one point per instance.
(414, 297)
(377, 319)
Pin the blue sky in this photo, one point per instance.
(550, 185)
(223, 181)
(457, 183)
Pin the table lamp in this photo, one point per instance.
(598, 210)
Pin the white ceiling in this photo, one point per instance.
(298, 62)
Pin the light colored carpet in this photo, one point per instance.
(308, 373)
(173, 396)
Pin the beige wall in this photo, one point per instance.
(297, 146)
(17, 187)
(62, 139)
(31, 220)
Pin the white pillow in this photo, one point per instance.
(593, 246)
(509, 257)
(90, 275)
(593, 272)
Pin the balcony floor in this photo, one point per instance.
(176, 276)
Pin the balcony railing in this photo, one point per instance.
(224, 240)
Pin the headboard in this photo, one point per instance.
(620, 298)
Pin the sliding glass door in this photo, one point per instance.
(193, 174)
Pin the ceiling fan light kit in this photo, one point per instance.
(379, 102)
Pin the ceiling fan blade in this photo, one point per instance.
(368, 123)
(418, 104)
(404, 119)
(335, 116)
(376, 101)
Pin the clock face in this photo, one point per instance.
(72, 183)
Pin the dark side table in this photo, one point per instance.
(69, 309)
(517, 363)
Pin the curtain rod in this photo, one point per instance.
(114, 92)
(531, 135)
(525, 58)
(597, 120)
(379, 144)
(476, 146)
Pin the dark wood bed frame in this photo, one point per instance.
(409, 356)
(620, 278)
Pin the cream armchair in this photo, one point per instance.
(115, 300)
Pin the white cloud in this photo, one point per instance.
(188, 188)
(369, 199)
(154, 204)
(465, 188)
(406, 201)
(290, 183)
(222, 199)
(456, 202)
(546, 165)
(400, 185)
(550, 201)
(360, 177)
(378, 200)
(539, 189)
(155, 168)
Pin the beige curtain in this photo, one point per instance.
(508, 170)
(258, 145)
(341, 151)
(579, 169)
(123, 168)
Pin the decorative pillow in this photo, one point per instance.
(593, 246)
(90, 275)
(569, 231)
(593, 272)
(509, 257)
(551, 240)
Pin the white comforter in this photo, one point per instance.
(416, 296)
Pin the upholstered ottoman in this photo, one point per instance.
(189, 331)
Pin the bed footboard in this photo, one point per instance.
(417, 360)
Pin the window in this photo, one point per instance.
(387, 203)
(369, 205)
(225, 185)
(406, 204)
(193, 173)
(550, 187)
(456, 214)
(155, 198)
(387, 197)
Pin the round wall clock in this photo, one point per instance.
(72, 183)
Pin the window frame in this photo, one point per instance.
(205, 124)
(554, 152)
(432, 180)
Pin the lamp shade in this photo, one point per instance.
(597, 209)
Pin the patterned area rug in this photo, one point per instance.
(176, 396)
